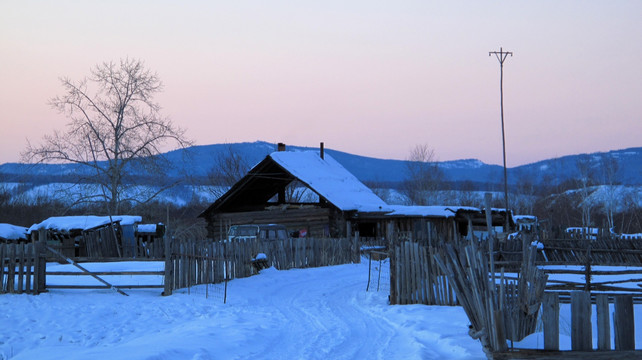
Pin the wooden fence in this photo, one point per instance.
(622, 323)
(22, 268)
(191, 263)
(600, 250)
(415, 277)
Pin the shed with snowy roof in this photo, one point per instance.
(340, 202)
(87, 235)
(449, 222)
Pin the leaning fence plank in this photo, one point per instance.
(581, 337)
(603, 322)
(624, 323)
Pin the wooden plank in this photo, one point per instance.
(3, 249)
(114, 273)
(581, 336)
(20, 256)
(105, 287)
(550, 321)
(29, 267)
(623, 321)
(11, 268)
(603, 322)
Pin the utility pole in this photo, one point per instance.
(501, 56)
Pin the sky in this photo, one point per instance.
(372, 78)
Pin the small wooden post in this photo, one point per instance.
(623, 323)
(392, 255)
(603, 322)
(581, 336)
(551, 321)
(40, 267)
(169, 266)
(356, 248)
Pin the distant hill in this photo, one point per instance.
(197, 161)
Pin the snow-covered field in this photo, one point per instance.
(317, 313)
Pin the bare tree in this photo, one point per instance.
(585, 182)
(609, 167)
(524, 200)
(114, 126)
(424, 176)
(229, 167)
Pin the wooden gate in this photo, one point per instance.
(22, 268)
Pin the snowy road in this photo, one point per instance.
(321, 313)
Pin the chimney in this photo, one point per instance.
(321, 150)
(280, 147)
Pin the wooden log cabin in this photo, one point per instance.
(260, 197)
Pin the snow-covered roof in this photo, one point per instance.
(525, 218)
(430, 211)
(146, 228)
(330, 180)
(85, 222)
(13, 232)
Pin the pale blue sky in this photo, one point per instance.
(372, 78)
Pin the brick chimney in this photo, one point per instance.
(280, 147)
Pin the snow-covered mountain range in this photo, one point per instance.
(197, 161)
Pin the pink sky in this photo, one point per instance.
(373, 78)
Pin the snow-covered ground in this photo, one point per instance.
(316, 313)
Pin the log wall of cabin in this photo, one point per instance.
(319, 222)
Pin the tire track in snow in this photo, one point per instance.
(323, 311)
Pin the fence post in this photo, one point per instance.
(356, 248)
(623, 323)
(603, 322)
(392, 255)
(551, 321)
(169, 267)
(581, 336)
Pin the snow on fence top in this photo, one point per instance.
(13, 232)
(330, 180)
(69, 223)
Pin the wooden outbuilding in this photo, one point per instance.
(87, 235)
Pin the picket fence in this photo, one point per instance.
(190, 262)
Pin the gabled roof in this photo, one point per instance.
(326, 177)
